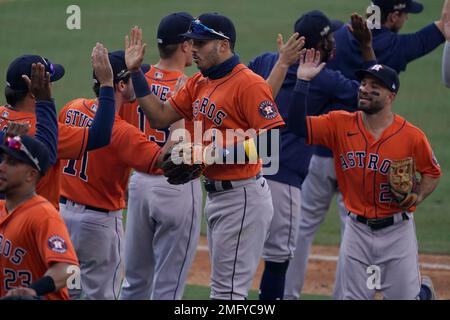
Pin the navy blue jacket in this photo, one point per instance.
(392, 49)
(328, 91)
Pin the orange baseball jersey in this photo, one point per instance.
(72, 143)
(101, 176)
(32, 238)
(362, 163)
(9, 114)
(161, 84)
(240, 100)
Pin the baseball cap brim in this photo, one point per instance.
(197, 36)
(360, 74)
(58, 73)
(415, 7)
(16, 154)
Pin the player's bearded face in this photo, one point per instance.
(205, 53)
(371, 97)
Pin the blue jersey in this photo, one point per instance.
(328, 91)
(392, 49)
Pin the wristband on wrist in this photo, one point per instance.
(43, 286)
(141, 88)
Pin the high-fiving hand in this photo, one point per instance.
(39, 84)
(101, 65)
(290, 51)
(358, 27)
(134, 50)
(309, 65)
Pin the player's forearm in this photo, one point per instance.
(101, 128)
(368, 54)
(296, 120)
(446, 65)
(249, 150)
(153, 107)
(47, 127)
(276, 77)
(60, 272)
(427, 186)
(54, 279)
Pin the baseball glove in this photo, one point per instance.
(403, 182)
(183, 162)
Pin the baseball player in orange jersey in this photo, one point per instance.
(93, 189)
(225, 94)
(161, 241)
(72, 142)
(37, 255)
(35, 248)
(379, 247)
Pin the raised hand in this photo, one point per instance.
(101, 65)
(39, 84)
(134, 49)
(180, 84)
(309, 65)
(360, 31)
(290, 51)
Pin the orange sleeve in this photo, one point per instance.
(426, 162)
(135, 150)
(54, 241)
(257, 106)
(72, 141)
(182, 100)
(321, 130)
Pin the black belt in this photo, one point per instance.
(64, 200)
(377, 224)
(210, 185)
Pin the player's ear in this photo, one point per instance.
(32, 176)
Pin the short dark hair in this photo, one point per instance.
(96, 85)
(166, 51)
(13, 96)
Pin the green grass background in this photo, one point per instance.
(39, 26)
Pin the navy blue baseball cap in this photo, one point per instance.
(384, 74)
(22, 66)
(409, 6)
(210, 26)
(119, 67)
(28, 150)
(314, 26)
(172, 27)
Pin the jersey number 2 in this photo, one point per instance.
(72, 171)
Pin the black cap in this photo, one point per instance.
(217, 27)
(409, 6)
(314, 26)
(172, 27)
(384, 74)
(119, 67)
(22, 66)
(28, 150)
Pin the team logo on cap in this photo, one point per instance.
(400, 6)
(325, 31)
(268, 110)
(377, 67)
(57, 244)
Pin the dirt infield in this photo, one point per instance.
(321, 269)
